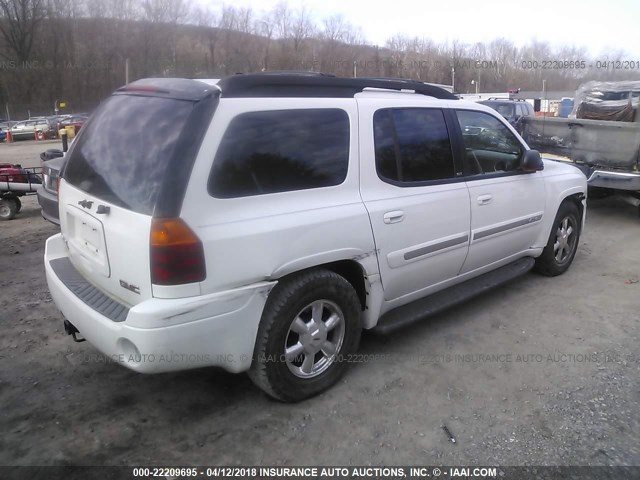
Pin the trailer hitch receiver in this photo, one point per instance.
(70, 329)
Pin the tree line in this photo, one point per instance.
(79, 51)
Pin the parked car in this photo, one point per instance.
(261, 223)
(512, 110)
(30, 129)
(4, 127)
(77, 121)
(52, 162)
(15, 182)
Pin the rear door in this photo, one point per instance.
(18, 129)
(507, 204)
(30, 129)
(111, 183)
(417, 204)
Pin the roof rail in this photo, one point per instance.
(311, 84)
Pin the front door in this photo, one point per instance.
(507, 204)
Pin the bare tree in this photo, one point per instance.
(265, 26)
(208, 22)
(334, 28)
(165, 11)
(301, 27)
(20, 20)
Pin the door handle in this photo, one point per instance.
(393, 217)
(485, 199)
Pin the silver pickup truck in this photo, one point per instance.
(603, 141)
(607, 152)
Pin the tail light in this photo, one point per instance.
(177, 255)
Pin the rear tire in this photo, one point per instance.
(310, 325)
(8, 208)
(561, 248)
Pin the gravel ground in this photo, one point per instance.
(544, 371)
(26, 152)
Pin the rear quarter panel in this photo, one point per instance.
(263, 237)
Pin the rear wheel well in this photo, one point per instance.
(352, 272)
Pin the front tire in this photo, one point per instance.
(561, 248)
(310, 325)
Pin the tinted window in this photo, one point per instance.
(490, 146)
(505, 109)
(122, 154)
(283, 150)
(412, 145)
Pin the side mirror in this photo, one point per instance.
(532, 162)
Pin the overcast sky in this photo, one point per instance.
(598, 25)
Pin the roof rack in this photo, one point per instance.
(312, 84)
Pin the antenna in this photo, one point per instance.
(544, 97)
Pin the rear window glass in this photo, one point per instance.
(121, 155)
(282, 150)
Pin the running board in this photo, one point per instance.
(426, 307)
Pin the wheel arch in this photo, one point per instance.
(350, 269)
(578, 199)
(575, 195)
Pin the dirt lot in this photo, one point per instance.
(562, 388)
(26, 152)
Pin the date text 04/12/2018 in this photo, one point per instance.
(580, 64)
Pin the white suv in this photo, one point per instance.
(259, 223)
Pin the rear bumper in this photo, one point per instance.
(160, 335)
(49, 204)
(616, 180)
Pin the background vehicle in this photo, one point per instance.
(512, 110)
(30, 129)
(52, 162)
(4, 126)
(320, 214)
(602, 139)
(15, 182)
(77, 121)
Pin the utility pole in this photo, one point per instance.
(453, 78)
(126, 71)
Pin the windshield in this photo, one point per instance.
(504, 109)
(122, 154)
